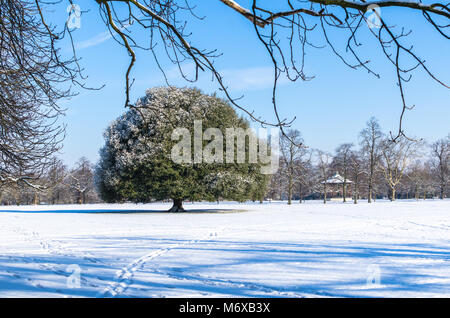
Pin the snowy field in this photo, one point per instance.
(385, 249)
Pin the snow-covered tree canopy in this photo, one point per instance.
(136, 164)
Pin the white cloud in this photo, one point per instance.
(96, 40)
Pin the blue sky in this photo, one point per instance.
(331, 109)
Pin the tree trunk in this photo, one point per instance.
(369, 195)
(301, 195)
(35, 199)
(393, 194)
(290, 190)
(177, 206)
(344, 191)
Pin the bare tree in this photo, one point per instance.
(304, 174)
(395, 157)
(415, 178)
(54, 180)
(323, 166)
(277, 184)
(33, 78)
(342, 162)
(370, 138)
(81, 180)
(441, 163)
(292, 156)
(357, 171)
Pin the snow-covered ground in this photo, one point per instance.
(385, 249)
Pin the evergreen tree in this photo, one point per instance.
(136, 162)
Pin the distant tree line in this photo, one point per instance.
(377, 168)
(56, 185)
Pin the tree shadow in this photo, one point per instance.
(233, 268)
(125, 211)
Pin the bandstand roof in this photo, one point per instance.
(336, 179)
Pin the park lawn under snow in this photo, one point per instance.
(227, 249)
